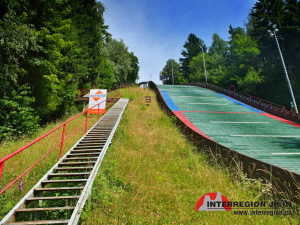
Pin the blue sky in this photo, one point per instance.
(156, 30)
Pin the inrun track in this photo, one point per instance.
(236, 125)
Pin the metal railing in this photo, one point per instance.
(110, 101)
(83, 92)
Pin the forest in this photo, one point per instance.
(250, 60)
(49, 50)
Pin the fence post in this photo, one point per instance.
(1, 169)
(86, 121)
(62, 140)
(271, 174)
(98, 116)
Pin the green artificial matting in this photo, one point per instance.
(226, 122)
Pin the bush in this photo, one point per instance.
(16, 116)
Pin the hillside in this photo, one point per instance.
(153, 175)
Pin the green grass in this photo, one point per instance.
(153, 175)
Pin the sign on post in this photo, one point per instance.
(97, 96)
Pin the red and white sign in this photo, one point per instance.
(213, 201)
(97, 101)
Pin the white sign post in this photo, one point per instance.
(97, 101)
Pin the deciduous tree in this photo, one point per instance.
(171, 72)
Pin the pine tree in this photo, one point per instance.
(193, 46)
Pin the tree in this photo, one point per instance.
(69, 36)
(285, 14)
(218, 46)
(49, 49)
(218, 59)
(105, 77)
(120, 59)
(87, 16)
(193, 46)
(197, 69)
(171, 67)
(243, 67)
(133, 74)
(17, 41)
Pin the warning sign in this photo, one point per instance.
(97, 101)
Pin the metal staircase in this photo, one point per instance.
(59, 197)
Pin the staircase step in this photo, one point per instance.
(44, 209)
(85, 154)
(76, 163)
(64, 181)
(91, 141)
(94, 139)
(86, 150)
(58, 188)
(90, 144)
(74, 168)
(98, 131)
(79, 158)
(51, 198)
(97, 134)
(89, 147)
(67, 174)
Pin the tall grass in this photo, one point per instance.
(153, 175)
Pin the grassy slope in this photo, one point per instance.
(152, 175)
